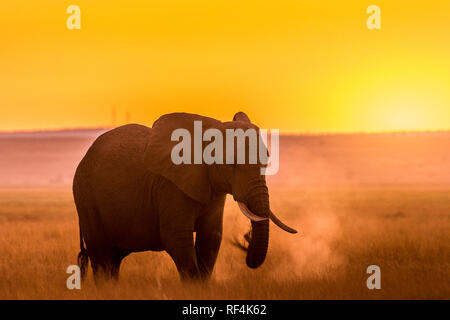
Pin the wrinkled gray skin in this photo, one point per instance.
(125, 207)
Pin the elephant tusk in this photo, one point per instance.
(278, 222)
(246, 211)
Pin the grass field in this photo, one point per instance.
(404, 230)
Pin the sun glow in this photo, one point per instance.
(403, 113)
(399, 109)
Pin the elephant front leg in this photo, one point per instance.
(177, 216)
(209, 237)
(207, 246)
(180, 247)
(194, 262)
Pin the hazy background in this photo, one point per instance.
(50, 159)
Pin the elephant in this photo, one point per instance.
(131, 197)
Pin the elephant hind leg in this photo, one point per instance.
(117, 257)
(107, 265)
(101, 268)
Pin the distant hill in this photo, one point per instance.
(90, 132)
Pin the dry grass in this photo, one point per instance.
(404, 231)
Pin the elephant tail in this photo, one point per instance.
(83, 257)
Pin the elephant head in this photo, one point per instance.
(200, 181)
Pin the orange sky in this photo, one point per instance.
(304, 66)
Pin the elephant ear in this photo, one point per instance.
(191, 178)
(241, 116)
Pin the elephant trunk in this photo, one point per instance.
(259, 243)
(259, 204)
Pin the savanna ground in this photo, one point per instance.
(404, 230)
(357, 200)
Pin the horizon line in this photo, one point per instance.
(285, 133)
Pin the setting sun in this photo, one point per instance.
(405, 113)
